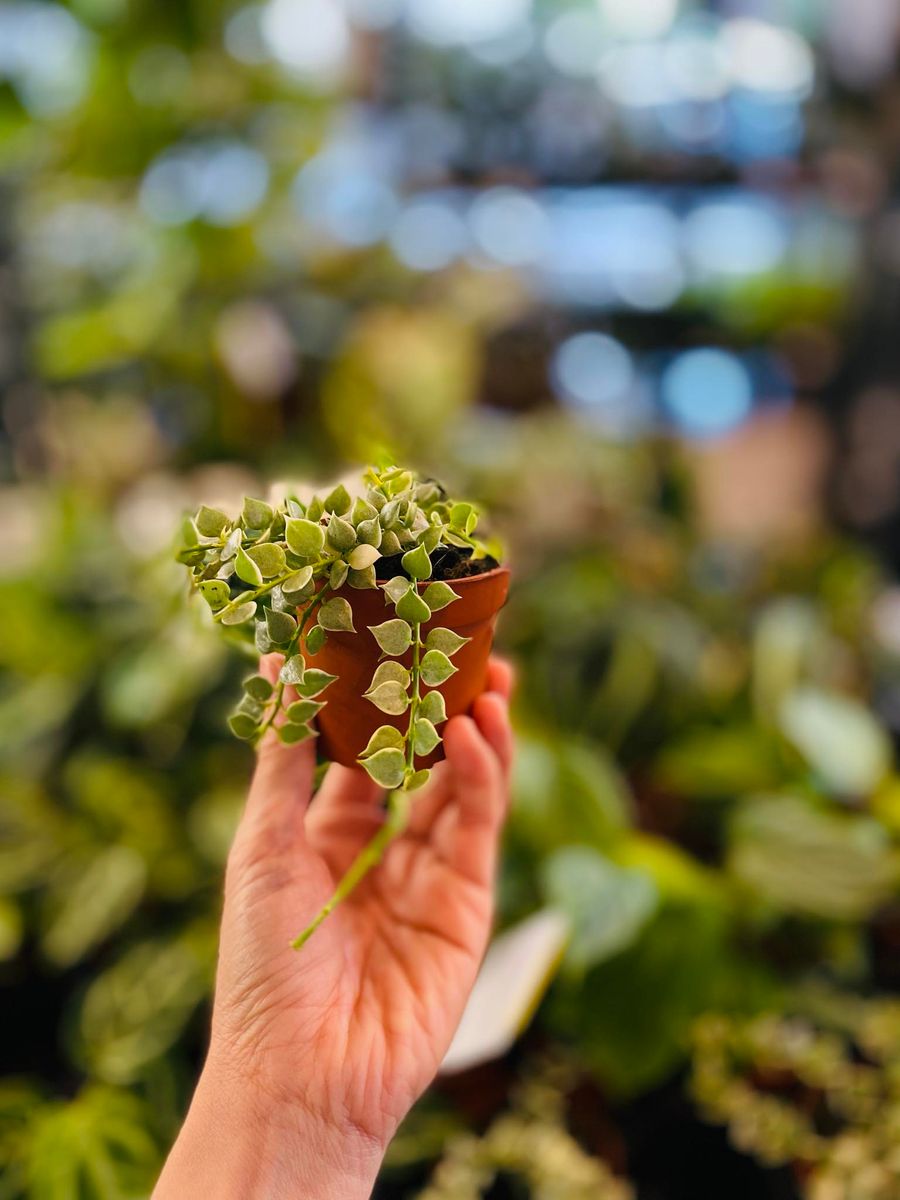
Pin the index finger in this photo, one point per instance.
(501, 676)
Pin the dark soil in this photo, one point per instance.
(447, 562)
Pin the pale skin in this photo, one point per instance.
(316, 1056)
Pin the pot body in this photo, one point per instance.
(348, 720)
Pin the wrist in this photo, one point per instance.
(239, 1146)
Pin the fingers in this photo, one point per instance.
(344, 816)
(470, 840)
(501, 676)
(282, 782)
(491, 715)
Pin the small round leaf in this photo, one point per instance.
(390, 697)
(438, 595)
(246, 569)
(445, 640)
(384, 736)
(413, 608)
(416, 563)
(239, 615)
(386, 767)
(304, 537)
(336, 614)
(394, 637)
(436, 668)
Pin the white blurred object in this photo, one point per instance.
(256, 348)
(513, 978)
(309, 37)
(767, 58)
(639, 18)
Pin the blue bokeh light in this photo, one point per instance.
(706, 392)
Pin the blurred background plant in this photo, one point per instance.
(639, 258)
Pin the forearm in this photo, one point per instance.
(231, 1150)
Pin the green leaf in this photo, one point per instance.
(230, 549)
(338, 574)
(304, 537)
(369, 532)
(363, 579)
(337, 500)
(363, 511)
(436, 668)
(608, 905)
(293, 670)
(425, 736)
(299, 586)
(431, 538)
(390, 671)
(279, 626)
(390, 697)
(340, 534)
(336, 614)
(256, 514)
(242, 725)
(416, 780)
(445, 640)
(395, 589)
(314, 681)
(239, 615)
(258, 687)
(211, 521)
(269, 558)
(251, 707)
(302, 711)
(390, 515)
(385, 736)
(315, 510)
(416, 563)
(394, 636)
(290, 733)
(464, 517)
(438, 595)
(413, 608)
(839, 737)
(215, 592)
(390, 543)
(246, 569)
(316, 639)
(386, 767)
(189, 534)
(432, 708)
(362, 556)
(804, 859)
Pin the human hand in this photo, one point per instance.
(316, 1056)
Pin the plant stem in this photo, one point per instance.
(414, 701)
(246, 597)
(368, 858)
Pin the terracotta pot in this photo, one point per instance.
(348, 720)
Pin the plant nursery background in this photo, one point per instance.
(628, 272)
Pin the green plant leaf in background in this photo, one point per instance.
(840, 738)
(796, 855)
(607, 905)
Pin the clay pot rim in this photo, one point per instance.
(454, 583)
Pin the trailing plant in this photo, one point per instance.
(818, 1091)
(530, 1142)
(276, 576)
